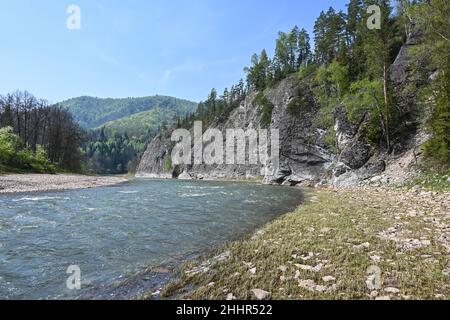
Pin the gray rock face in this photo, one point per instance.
(354, 150)
(305, 157)
(156, 160)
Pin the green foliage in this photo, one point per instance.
(432, 18)
(168, 163)
(292, 50)
(123, 127)
(139, 124)
(9, 144)
(364, 96)
(330, 85)
(14, 155)
(216, 106)
(259, 74)
(365, 100)
(329, 35)
(298, 104)
(438, 147)
(94, 112)
(431, 180)
(306, 70)
(267, 108)
(112, 152)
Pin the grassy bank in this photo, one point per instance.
(324, 249)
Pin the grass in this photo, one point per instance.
(5, 169)
(431, 180)
(336, 236)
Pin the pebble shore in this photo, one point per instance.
(13, 183)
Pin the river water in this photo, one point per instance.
(111, 233)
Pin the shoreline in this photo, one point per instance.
(31, 183)
(325, 247)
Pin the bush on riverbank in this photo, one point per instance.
(15, 157)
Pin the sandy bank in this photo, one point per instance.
(11, 183)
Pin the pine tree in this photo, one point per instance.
(281, 58)
(378, 47)
(320, 33)
(304, 48)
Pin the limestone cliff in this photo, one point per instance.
(305, 155)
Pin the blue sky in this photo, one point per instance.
(140, 47)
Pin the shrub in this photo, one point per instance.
(14, 154)
(267, 109)
(299, 103)
(40, 161)
(168, 163)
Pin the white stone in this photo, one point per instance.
(328, 278)
(260, 294)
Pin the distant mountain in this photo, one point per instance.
(92, 112)
(141, 123)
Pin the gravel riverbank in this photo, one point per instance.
(374, 243)
(12, 183)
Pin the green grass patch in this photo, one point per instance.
(431, 180)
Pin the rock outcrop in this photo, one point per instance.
(305, 155)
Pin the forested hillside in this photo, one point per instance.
(119, 129)
(143, 123)
(92, 112)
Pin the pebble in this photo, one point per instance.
(391, 290)
(260, 294)
(328, 278)
(230, 296)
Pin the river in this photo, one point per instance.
(111, 233)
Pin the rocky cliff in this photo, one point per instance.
(306, 155)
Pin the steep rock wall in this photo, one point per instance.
(305, 156)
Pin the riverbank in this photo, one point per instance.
(14, 183)
(335, 246)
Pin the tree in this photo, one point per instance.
(354, 18)
(365, 100)
(304, 48)
(355, 31)
(320, 32)
(330, 85)
(329, 36)
(281, 58)
(292, 49)
(379, 48)
(258, 75)
(432, 18)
